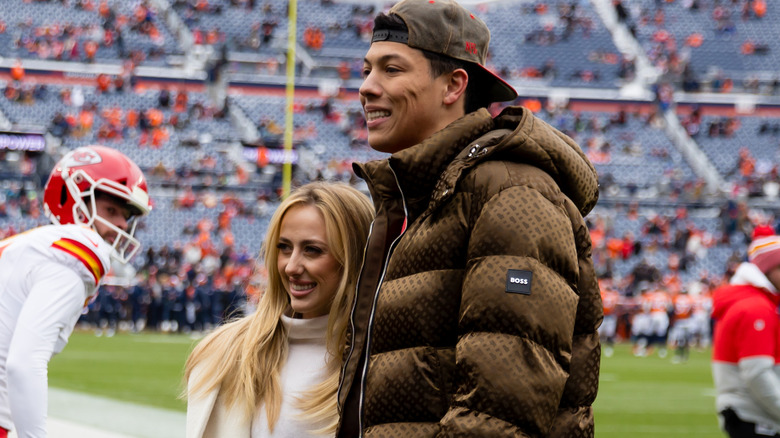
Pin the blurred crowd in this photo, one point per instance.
(188, 289)
(671, 44)
(65, 40)
(207, 275)
(664, 300)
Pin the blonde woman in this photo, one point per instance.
(275, 373)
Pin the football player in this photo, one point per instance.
(682, 328)
(608, 329)
(652, 323)
(48, 274)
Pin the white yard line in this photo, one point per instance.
(79, 415)
(67, 429)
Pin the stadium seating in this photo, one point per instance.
(756, 133)
(574, 36)
(558, 48)
(634, 153)
(713, 35)
(704, 250)
(50, 30)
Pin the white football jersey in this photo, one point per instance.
(47, 276)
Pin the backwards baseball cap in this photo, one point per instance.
(446, 28)
(764, 252)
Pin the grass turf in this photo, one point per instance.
(638, 397)
(142, 368)
(652, 397)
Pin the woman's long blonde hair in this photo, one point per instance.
(244, 358)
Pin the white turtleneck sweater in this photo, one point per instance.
(305, 367)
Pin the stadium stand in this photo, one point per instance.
(682, 126)
(89, 31)
(717, 45)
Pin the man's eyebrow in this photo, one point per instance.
(383, 59)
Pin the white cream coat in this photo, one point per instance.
(209, 417)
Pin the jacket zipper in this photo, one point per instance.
(352, 317)
(364, 373)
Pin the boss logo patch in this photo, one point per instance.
(518, 282)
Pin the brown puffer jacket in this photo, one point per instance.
(485, 320)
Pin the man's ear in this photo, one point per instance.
(456, 87)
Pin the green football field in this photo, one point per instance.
(638, 397)
(143, 368)
(652, 397)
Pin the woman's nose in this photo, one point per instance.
(294, 265)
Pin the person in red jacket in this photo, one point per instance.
(746, 350)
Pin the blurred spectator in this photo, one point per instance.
(164, 98)
(103, 83)
(313, 37)
(17, 71)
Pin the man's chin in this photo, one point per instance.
(380, 144)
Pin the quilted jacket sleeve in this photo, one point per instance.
(517, 340)
(575, 412)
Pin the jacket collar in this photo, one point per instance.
(747, 282)
(748, 273)
(418, 168)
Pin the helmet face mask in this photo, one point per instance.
(125, 245)
(85, 174)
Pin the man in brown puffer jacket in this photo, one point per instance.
(477, 308)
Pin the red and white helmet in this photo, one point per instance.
(81, 172)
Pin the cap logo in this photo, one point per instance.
(471, 47)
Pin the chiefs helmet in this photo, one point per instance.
(69, 195)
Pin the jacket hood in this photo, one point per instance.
(749, 275)
(536, 142)
(433, 167)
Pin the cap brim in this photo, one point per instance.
(497, 89)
